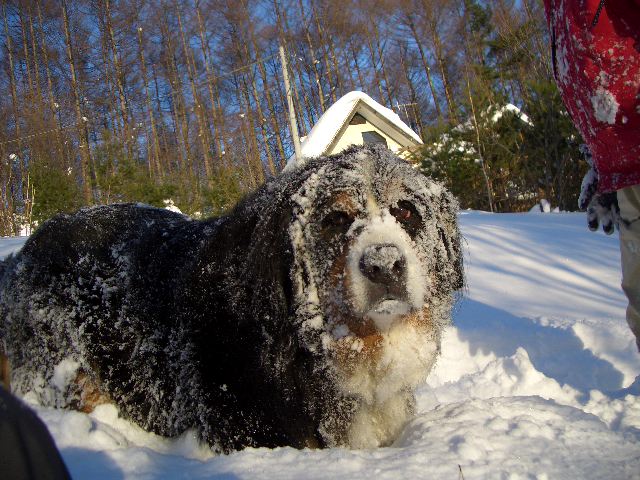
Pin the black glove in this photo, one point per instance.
(602, 208)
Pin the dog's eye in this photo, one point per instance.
(337, 221)
(407, 215)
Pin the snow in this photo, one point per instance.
(10, 244)
(538, 378)
(64, 372)
(543, 206)
(605, 106)
(509, 107)
(171, 206)
(327, 127)
(495, 112)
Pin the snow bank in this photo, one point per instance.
(537, 379)
(9, 245)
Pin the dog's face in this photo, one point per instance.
(379, 259)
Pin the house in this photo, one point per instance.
(357, 119)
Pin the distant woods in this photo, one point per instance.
(138, 100)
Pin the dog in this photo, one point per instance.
(305, 317)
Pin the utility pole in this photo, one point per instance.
(479, 147)
(292, 113)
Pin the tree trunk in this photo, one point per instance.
(203, 130)
(244, 55)
(357, 65)
(119, 81)
(247, 136)
(382, 65)
(376, 77)
(427, 69)
(179, 104)
(251, 135)
(213, 97)
(34, 53)
(275, 124)
(325, 55)
(80, 122)
(443, 75)
(412, 92)
(314, 60)
(347, 66)
(283, 27)
(154, 151)
(27, 58)
(12, 78)
(52, 103)
(479, 147)
(112, 109)
(166, 158)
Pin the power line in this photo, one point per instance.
(199, 84)
(225, 75)
(166, 95)
(37, 134)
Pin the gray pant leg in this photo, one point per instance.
(629, 201)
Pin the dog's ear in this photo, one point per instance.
(267, 267)
(277, 253)
(450, 269)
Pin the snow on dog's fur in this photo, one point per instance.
(305, 317)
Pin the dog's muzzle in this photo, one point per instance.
(385, 278)
(385, 267)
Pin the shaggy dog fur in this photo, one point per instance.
(305, 317)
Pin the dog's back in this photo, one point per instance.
(84, 296)
(5, 368)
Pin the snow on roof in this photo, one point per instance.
(324, 132)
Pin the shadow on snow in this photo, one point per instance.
(556, 352)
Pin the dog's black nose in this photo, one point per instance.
(383, 263)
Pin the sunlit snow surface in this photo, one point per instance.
(536, 379)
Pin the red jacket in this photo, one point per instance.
(596, 60)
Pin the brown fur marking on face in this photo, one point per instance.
(90, 393)
(364, 340)
(5, 371)
(340, 281)
(345, 201)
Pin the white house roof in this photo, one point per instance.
(327, 129)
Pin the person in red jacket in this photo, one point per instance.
(596, 63)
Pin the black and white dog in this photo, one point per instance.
(305, 317)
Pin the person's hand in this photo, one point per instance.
(602, 208)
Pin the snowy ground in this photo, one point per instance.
(539, 378)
